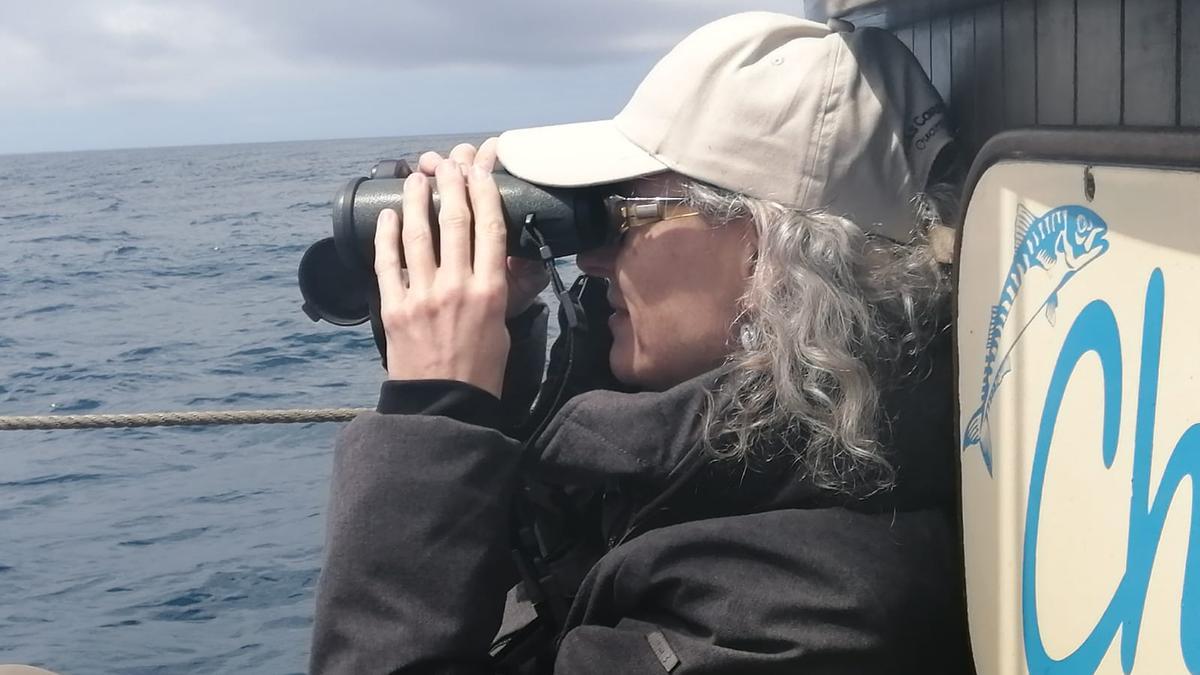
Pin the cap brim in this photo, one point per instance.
(574, 155)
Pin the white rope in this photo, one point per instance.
(178, 419)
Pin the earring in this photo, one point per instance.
(745, 336)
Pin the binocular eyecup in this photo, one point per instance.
(337, 277)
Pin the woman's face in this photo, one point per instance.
(674, 286)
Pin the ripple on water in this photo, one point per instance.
(313, 338)
(78, 237)
(254, 351)
(72, 587)
(181, 535)
(229, 496)
(248, 589)
(310, 206)
(44, 283)
(45, 309)
(234, 398)
(189, 598)
(139, 353)
(32, 218)
(78, 405)
(194, 614)
(280, 361)
(55, 479)
(138, 521)
(259, 587)
(80, 374)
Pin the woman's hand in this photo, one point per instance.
(526, 278)
(445, 321)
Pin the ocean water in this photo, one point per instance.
(165, 279)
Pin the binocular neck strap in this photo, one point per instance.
(531, 236)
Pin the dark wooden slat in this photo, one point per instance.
(1020, 63)
(1056, 61)
(885, 13)
(1149, 80)
(940, 56)
(921, 44)
(1189, 81)
(989, 64)
(962, 87)
(1099, 61)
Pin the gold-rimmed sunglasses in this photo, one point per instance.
(625, 213)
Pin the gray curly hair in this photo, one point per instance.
(829, 312)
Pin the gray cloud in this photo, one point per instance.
(75, 52)
(515, 32)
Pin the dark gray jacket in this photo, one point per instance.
(699, 567)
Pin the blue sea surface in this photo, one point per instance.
(165, 279)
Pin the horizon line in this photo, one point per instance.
(4, 154)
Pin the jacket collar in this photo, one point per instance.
(601, 436)
(651, 441)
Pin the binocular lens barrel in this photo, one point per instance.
(337, 274)
(570, 220)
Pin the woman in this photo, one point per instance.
(766, 487)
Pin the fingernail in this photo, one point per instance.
(478, 172)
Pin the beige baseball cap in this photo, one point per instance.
(771, 106)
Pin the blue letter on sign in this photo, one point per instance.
(1095, 330)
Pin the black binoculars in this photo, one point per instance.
(337, 277)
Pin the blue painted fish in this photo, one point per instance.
(1061, 242)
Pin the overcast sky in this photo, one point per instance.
(87, 74)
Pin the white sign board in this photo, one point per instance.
(1078, 333)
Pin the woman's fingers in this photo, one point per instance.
(491, 236)
(464, 154)
(416, 234)
(454, 219)
(387, 258)
(448, 321)
(486, 156)
(428, 162)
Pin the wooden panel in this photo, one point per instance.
(886, 13)
(921, 44)
(989, 65)
(1020, 63)
(1150, 63)
(962, 85)
(1099, 60)
(1189, 78)
(1056, 61)
(939, 38)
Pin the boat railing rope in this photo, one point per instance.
(178, 419)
